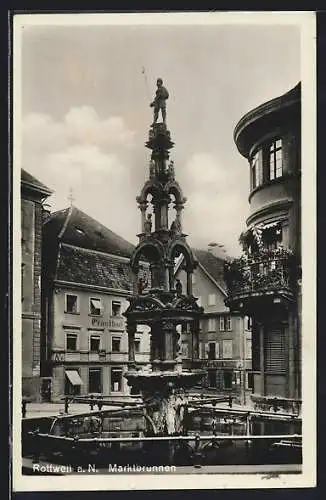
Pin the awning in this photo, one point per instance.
(74, 377)
(96, 303)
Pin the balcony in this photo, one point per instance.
(268, 275)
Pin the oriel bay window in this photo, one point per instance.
(95, 307)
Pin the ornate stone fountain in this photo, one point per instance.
(157, 300)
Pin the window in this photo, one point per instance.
(95, 380)
(71, 341)
(248, 349)
(227, 349)
(116, 344)
(193, 278)
(72, 389)
(275, 351)
(116, 379)
(225, 323)
(94, 343)
(212, 299)
(227, 380)
(137, 345)
(116, 308)
(275, 160)
(211, 325)
(95, 307)
(211, 350)
(23, 280)
(71, 304)
(247, 322)
(256, 170)
(202, 350)
(250, 380)
(199, 302)
(212, 378)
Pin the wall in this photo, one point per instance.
(83, 324)
(31, 226)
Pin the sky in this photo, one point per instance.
(86, 115)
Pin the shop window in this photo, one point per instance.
(116, 344)
(116, 379)
(72, 387)
(212, 378)
(71, 342)
(275, 160)
(95, 307)
(72, 305)
(227, 379)
(94, 343)
(211, 350)
(95, 380)
(116, 308)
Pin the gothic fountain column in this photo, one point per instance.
(164, 388)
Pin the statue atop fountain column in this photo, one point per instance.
(159, 102)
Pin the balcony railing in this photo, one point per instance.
(264, 273)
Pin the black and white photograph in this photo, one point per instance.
(164, 251)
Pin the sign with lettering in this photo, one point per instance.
(58, 356)
(111, 323)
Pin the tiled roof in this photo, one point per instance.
(74, 227)
(213, 265)
(87, 267)
(30, 181)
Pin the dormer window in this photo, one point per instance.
(275, 160)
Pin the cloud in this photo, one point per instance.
(80, 126)
(87, 154)
(217, 203)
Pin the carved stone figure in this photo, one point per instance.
(148, 224)
(159, 102)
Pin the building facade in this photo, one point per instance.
(86, 288)
(265, 283)
(33, 194)
(225, 336)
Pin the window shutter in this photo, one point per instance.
(275, 351)
(217, 350)
(206, 350)
(201, 350)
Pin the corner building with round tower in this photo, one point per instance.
(265, 283)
